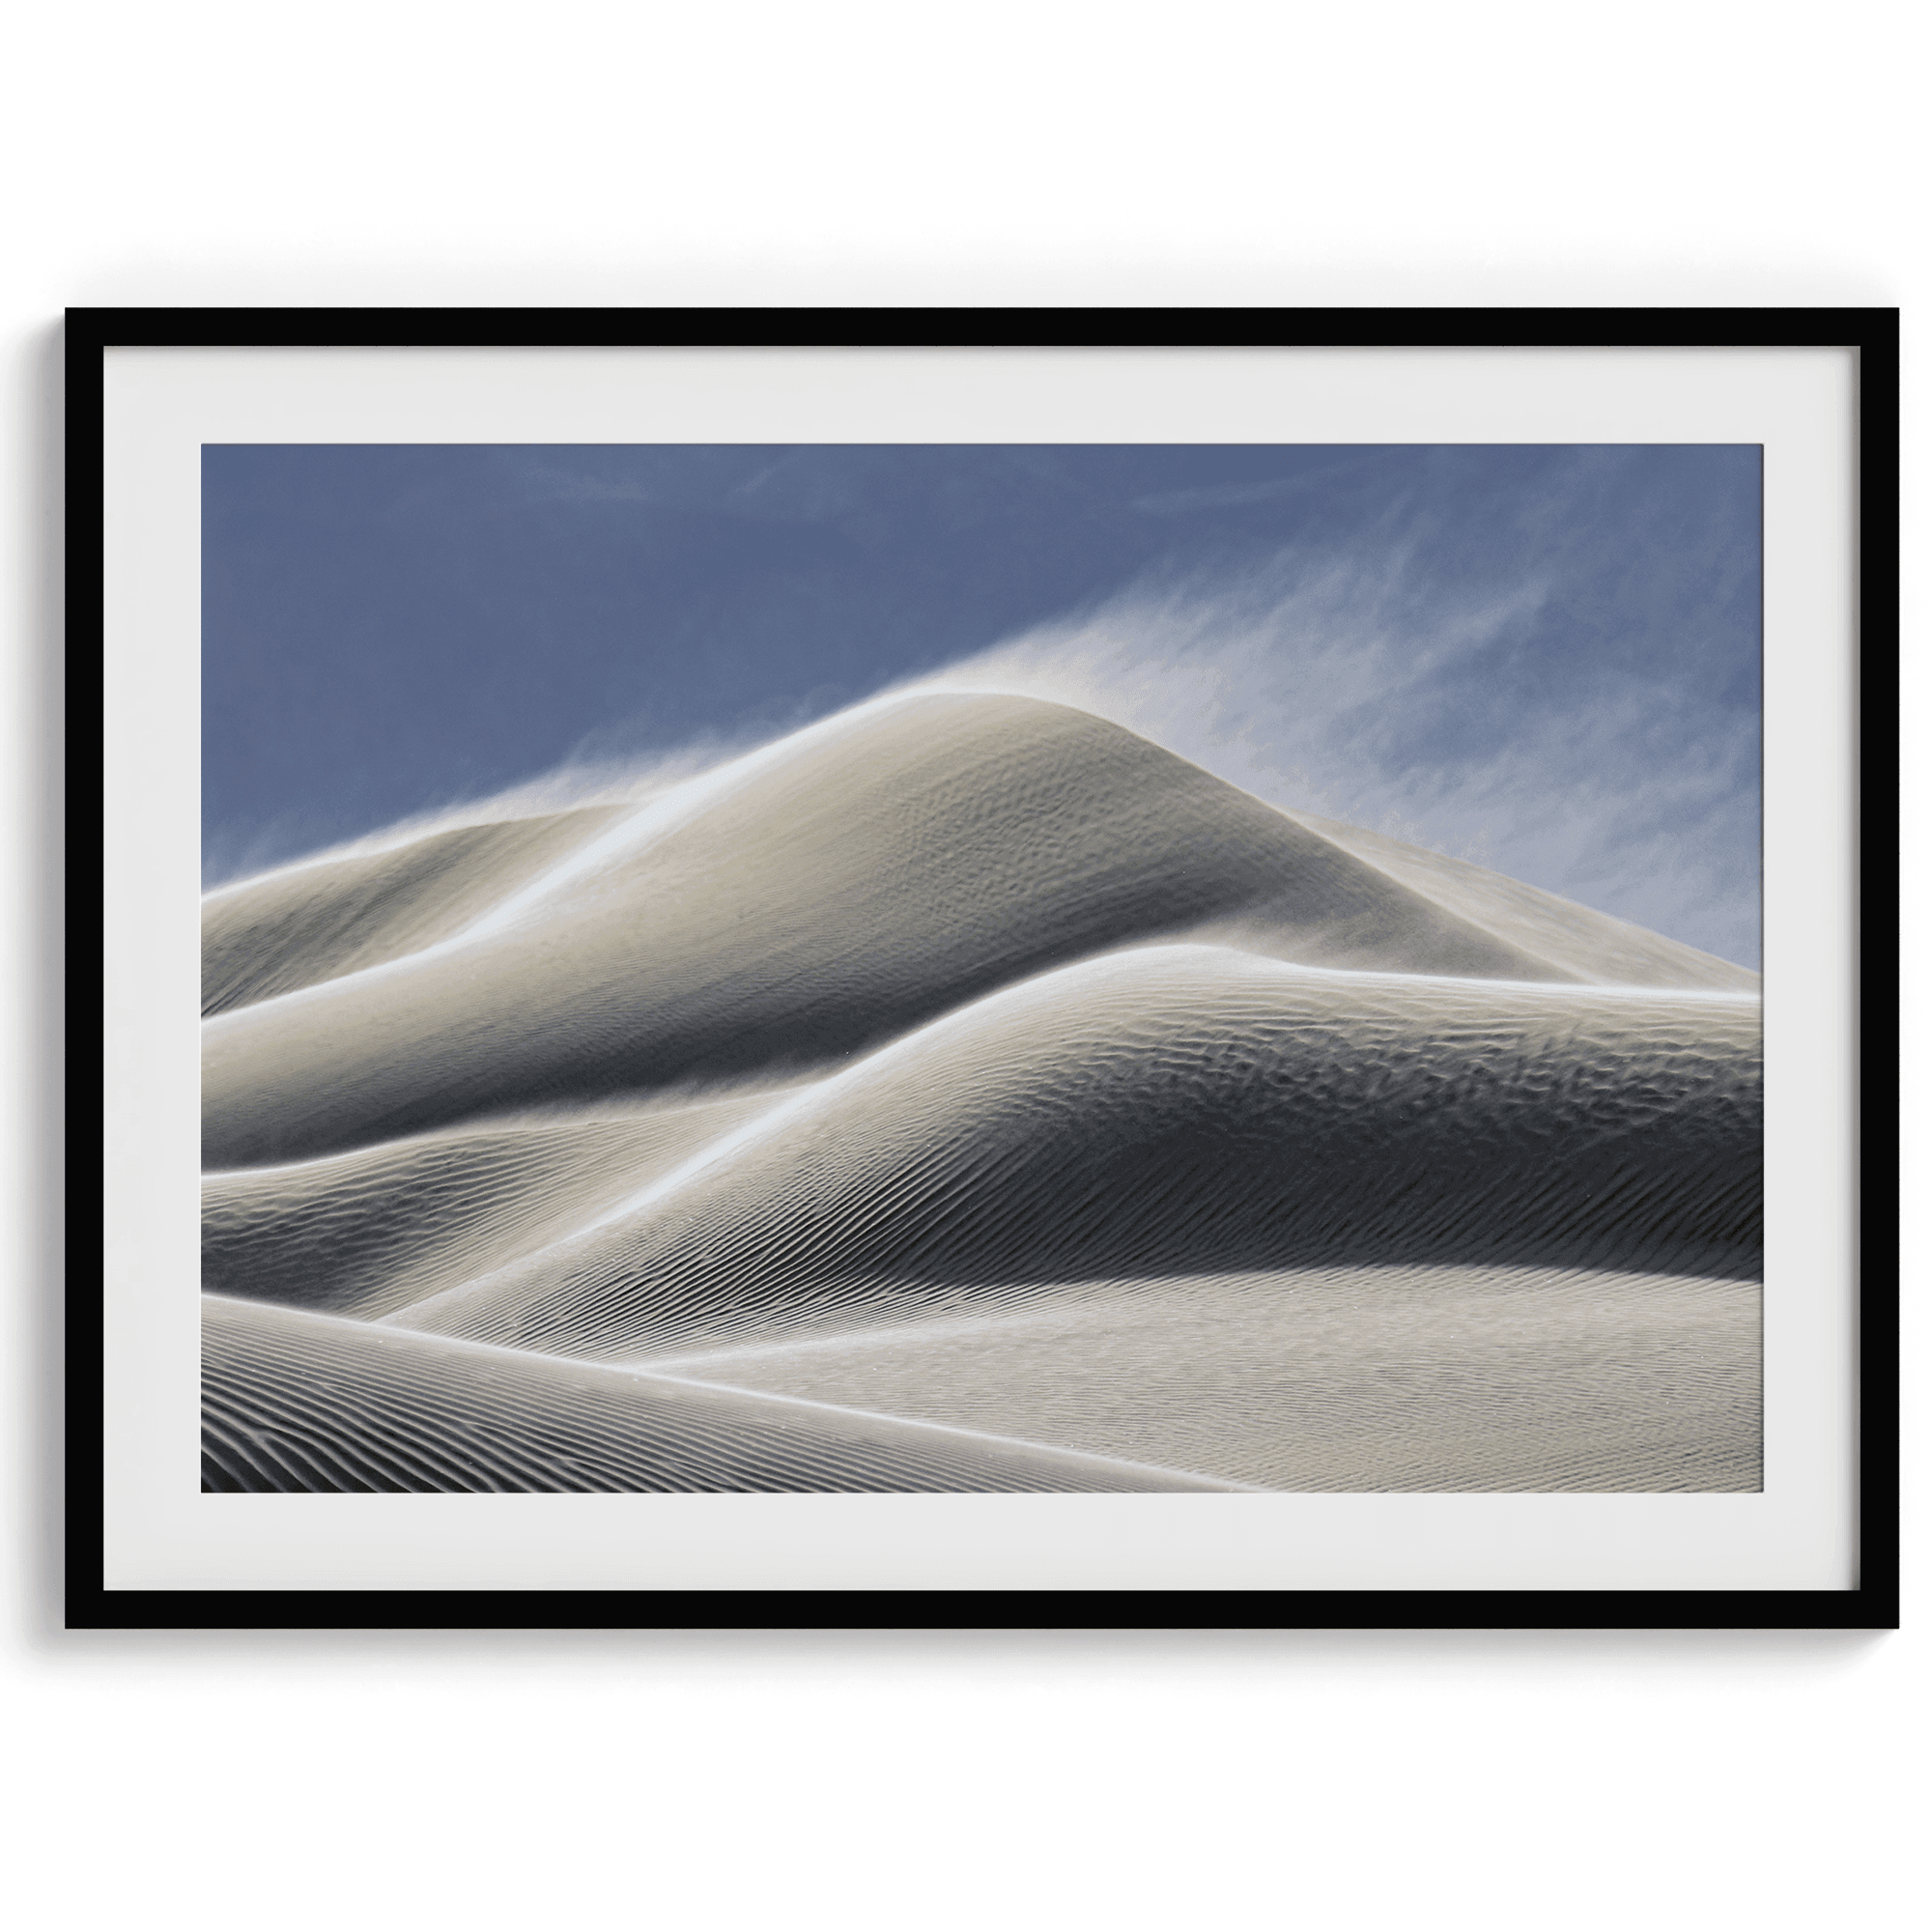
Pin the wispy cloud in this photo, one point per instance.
(1221, 496)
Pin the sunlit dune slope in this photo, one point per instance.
(306, 1402)
(1589, 944)
(1413, 1377)
(299, 926)
(816, 900)
(1178, 1108)
(373, 1230)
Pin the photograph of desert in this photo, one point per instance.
(980, 968)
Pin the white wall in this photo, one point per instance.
(1666, 151)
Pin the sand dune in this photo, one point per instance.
(1430, 1379)
(1589, 945)
(308, 923)
(931, 852)
(298, 1401)
(375, 1230)
(1169, 1110)
(968, 1093)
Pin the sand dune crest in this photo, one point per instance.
(308, 923)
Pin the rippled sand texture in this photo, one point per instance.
(966, 1094)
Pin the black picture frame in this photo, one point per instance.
(1870, 334)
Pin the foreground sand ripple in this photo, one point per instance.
(294, 1402)
(1412, 1379)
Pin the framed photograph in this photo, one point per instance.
(949, 967)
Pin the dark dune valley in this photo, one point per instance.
(966, 1094)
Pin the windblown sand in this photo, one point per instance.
(967, 1094)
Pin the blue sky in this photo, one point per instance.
(1545, 659)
